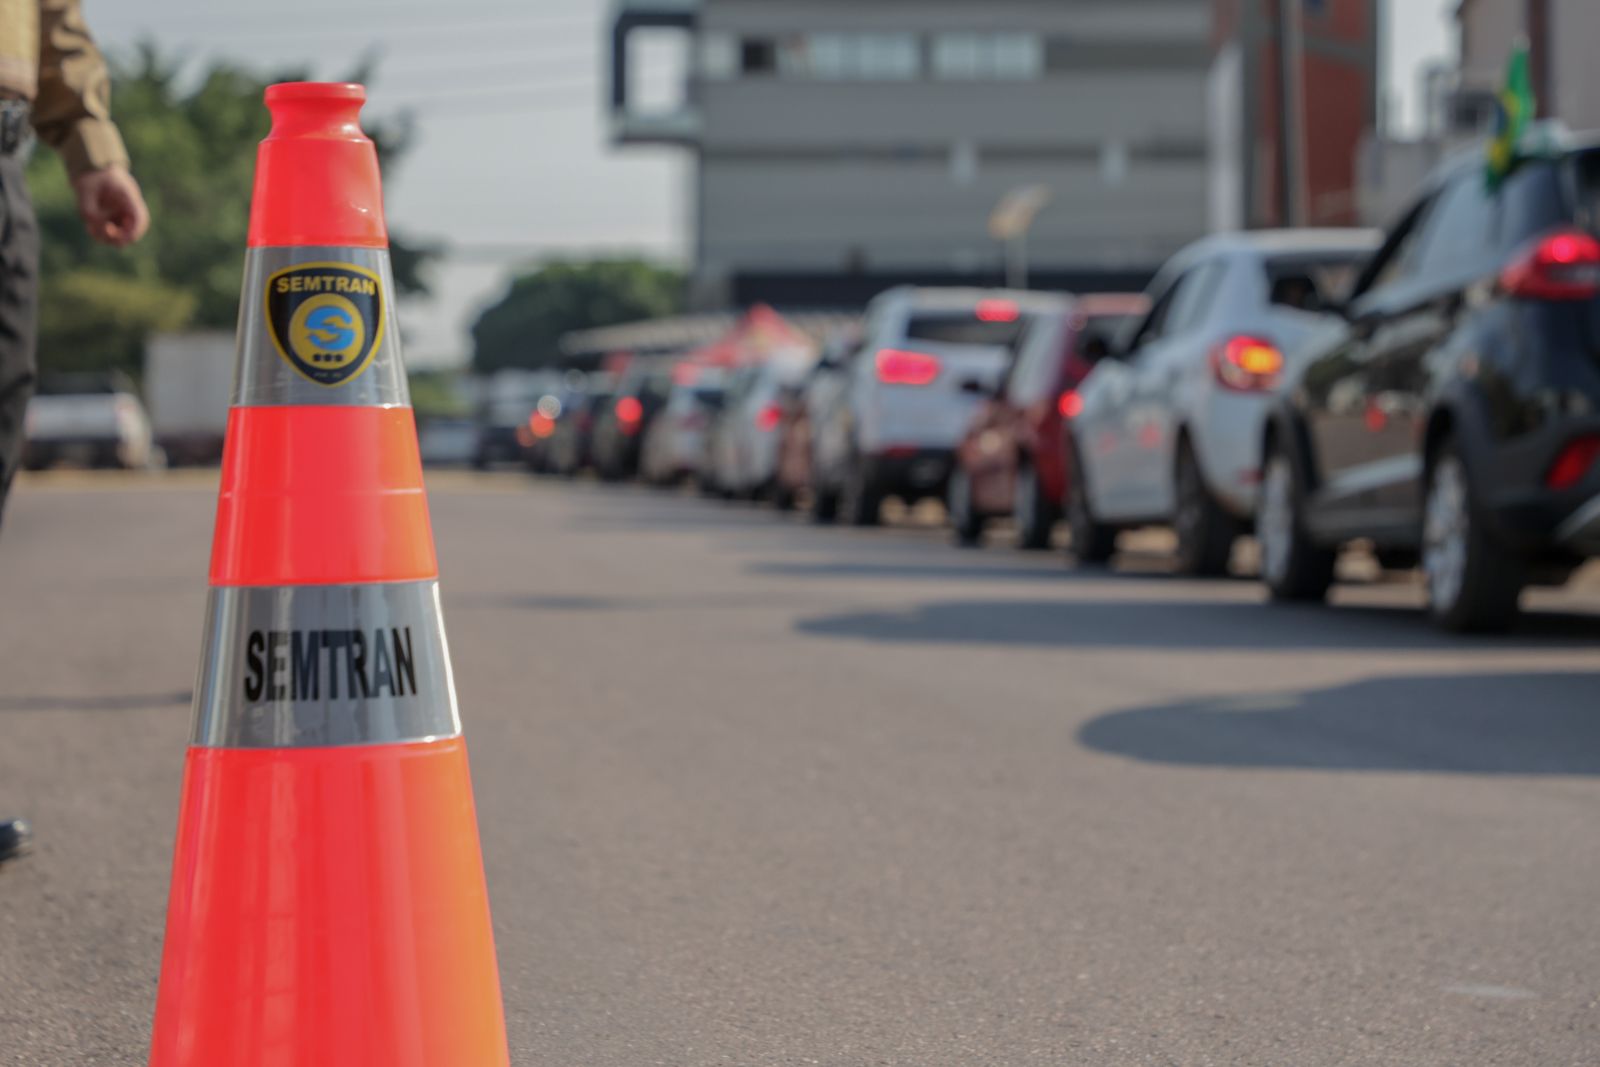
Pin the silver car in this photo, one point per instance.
(675, 443)
(909, 391)
(1169, 430)
(747, 436)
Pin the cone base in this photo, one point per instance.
(328, 907)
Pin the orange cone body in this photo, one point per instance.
(328, 904)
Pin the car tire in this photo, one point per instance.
(824, 505)
(1473, 584)
(782, 497)
(1293, 566)
(1205, 532)
(966, 523)
(1093, 542)
(1032, 511)
(861, 499)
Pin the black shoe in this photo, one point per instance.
(16, 839)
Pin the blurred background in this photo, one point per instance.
(554, 168)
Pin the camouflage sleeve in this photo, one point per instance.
(72, 111)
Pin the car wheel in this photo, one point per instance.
(861, 500)
(824, 505)
(782, 497)
(1205, 532)
(1093, 542)
(965, 521)
(1034, 514)
(1472, 583)
(1293, 566)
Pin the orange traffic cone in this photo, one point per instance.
(328, 903)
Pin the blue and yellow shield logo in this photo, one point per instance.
(326, 319)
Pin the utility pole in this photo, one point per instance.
(1292, 194)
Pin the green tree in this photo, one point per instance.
(523, 327)
(193, 149)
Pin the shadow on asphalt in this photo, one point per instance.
(1525, 723)
(122, 702)
(551, 603)
(1046, 568)
(862, 569)
(1184, 624)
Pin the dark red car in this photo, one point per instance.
(1011, 462)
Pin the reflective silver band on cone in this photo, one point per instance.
(322, 665)
(274, 366)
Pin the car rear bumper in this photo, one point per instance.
(1532, 518)
(1580, 531)
(912, 471)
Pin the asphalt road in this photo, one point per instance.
(758, 793)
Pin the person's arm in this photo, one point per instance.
(72, 113)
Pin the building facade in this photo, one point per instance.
(1293, 93)
(1562, 36)
(844, 145)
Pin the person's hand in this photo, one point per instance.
(111, 206)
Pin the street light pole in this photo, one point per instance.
(1010, 222)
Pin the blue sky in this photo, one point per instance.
(511, 160)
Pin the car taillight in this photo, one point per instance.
(998, 311)
(1559, 266)
(541, 425)
(1247, 364)
(629, 413)
(769, 417)
(1573, 463)
(1070, 404)
(898, 367)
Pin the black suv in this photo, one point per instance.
(1452, 412)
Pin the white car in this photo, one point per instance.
(927, 358)
(1169, 431)
(96, 420)
(676, 440)
(747, 437)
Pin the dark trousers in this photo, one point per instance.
(19, 294)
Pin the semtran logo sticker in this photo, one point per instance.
(326, 319)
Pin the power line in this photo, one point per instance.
(374, 31)
(445, 78)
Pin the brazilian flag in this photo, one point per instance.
(1516, 108)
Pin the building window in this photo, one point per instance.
(854, 57)
(719, 56)
(758, 55)
(988, 56)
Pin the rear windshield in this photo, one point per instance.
(1586, 176)
(964, 328)
(1109, 328)
(1312, 282)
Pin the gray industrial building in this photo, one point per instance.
(842, 145)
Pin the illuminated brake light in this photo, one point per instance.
(998, 311)
(541, 425)
(1560, 266)
(1247, 364)
(629, 413)
(898, 367)
(1573, 463)
(769, 417)
(1071, 404)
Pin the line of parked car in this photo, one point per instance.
(1432, 392)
